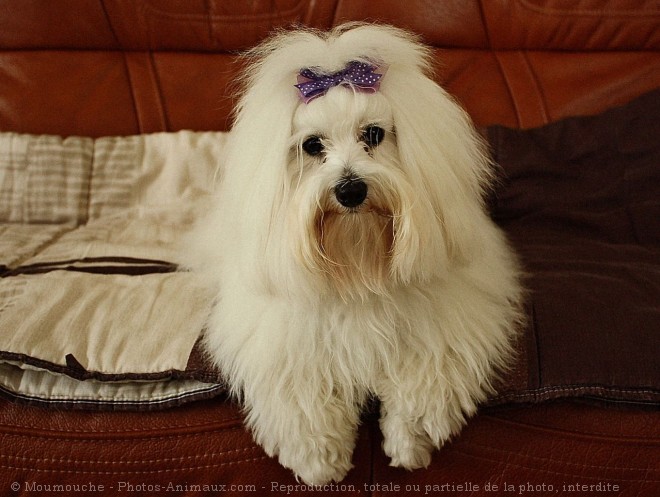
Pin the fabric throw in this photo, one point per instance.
(580, 199)
(93, 312)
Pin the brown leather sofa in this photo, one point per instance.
(121, 67)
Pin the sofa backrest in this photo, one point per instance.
(119, 67)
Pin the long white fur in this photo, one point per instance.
(413, 297)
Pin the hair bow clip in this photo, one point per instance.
(313, 83)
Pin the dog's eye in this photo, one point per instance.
(373, 135)
(313, 145)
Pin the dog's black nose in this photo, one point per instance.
(351, 193)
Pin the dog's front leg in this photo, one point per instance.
(313, 435)
(419, 412)
(404, 440)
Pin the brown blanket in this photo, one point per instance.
(580, 199)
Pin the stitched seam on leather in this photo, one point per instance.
(128, 430)
(136, 438)
(560, 461)
(158, 471)
(538, 470)
(590, 436)
(127, 463)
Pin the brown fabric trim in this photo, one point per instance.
(75, 370)
(115, 259)
(605, 394)
(125, 270)
(123, 265)
(99, 405)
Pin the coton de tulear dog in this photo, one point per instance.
(352, 252)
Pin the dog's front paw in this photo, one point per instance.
(408, 452)
(407, 446)
(317, 467)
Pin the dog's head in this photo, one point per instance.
(350, 163)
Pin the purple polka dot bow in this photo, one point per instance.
(358, 75)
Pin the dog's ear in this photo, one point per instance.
(259, 145)
(443, 154)
(253, 188)
(260, 138)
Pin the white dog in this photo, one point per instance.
(352, 252)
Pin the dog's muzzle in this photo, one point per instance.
(351, 192)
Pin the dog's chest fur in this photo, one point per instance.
(361, 342)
